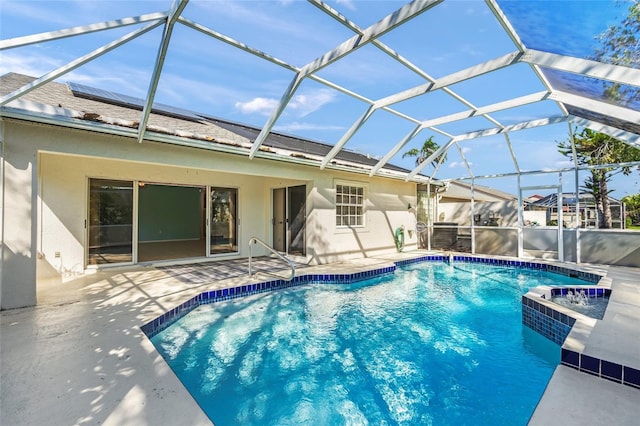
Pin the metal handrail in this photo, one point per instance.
(254, 240)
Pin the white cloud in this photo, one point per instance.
(459, 164)
(33, 65)
(305, 104)
(258, 105)
(297, 126)
(301, 105)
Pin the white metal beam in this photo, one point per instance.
(391, 21)
(395, 56)
(512, 128)
(622, 135)
(432, 157)
(172, 16)
(523, 100)
(456, 77)
(237, 44)
(464, 159)
(84, 29)
(499, 106)
(395, 150)
(617, 73)
(605, 108)
(511, 151)
(487, 132)
(354, 128)
(284, 100)
(506, 25)
(76, 63)
(547, 171)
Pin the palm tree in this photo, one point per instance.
(428, 148)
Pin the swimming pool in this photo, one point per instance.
(431, 344)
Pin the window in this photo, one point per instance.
(349, 205)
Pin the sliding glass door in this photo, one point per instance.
(289, 219)
(223, 223)
(110, 221)
(171, 221)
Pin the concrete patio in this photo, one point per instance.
(79, 357)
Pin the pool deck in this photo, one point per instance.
(79, 357)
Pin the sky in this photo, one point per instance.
(204, 74)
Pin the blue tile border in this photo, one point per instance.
(547, 321)
(163, 321)
(553, 325)
(601, 368)
(590, 292)
(556, 326)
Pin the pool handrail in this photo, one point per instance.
(254, 240)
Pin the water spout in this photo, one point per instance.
(577, 298)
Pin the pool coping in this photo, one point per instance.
(163, 321)
(79, 356)
(565, 327)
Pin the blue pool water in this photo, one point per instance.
(432, 344)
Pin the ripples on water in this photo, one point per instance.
(435, 344)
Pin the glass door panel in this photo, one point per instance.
(171, 222)
(110, 221)
(224, 213)
(296, 216)
(279, 219)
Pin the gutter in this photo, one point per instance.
(71, 119)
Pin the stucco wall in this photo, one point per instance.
(19, 189)
(610, 247)
(460, 212)
(65, 158)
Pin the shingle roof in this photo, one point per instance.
(185, 124)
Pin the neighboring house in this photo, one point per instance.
(588, 212)
(455, 214)
(492, 207)
(80, 192)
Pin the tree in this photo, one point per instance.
(599, 150)
(632, 204)
(620, 45)
(428, 148)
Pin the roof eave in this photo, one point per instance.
(151, 136)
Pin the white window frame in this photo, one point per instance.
(350, 206)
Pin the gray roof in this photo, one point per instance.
(545, 73)
(462, 191)
(97, 106)
(568, 199)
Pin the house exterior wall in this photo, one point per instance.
(460, 212)
(19, 189)
(46, 171)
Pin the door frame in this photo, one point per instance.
(285, 208)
